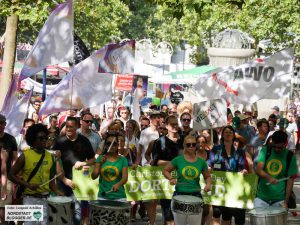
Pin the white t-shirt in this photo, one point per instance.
(291, 143)
(147, 136)
(292, 127)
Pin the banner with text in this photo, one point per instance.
(231, 190)
(210, 114)
(124, 82)
(147, 183)
(268, 78)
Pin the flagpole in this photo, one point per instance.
(71, 100)
(44, 84)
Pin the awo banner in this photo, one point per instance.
(210, 114)
(147, 183)
(268, 78)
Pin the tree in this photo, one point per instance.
(274, 19)
(98, 22)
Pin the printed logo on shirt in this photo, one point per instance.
(109, 173)
(274, 167)
(190, 172)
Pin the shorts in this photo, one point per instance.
(261, 203)
(8, 200)
(205, 210)
(227, 213)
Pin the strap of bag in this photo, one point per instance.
(36, 168)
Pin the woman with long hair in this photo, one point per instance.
(131, 141)
(225, 157)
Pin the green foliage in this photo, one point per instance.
(99, 22)
(32, 15)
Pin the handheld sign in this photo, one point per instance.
(210, 114)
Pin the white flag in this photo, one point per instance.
(19, 112)
(55, 42)
(89, 83)
(268, 78)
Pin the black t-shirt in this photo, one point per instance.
(71, 152)
(9, 145)
(167, 150)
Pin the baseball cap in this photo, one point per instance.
(154, 113)
(236, 122)
(2, 118)
(243, 116)
(276, 108)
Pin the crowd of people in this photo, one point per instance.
(51, 146)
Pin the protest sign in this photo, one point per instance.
(147, 183)
(124, 82)
(210, 114)
(231, 189)
(140, 86)
(85, 187)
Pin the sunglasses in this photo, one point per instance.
(186, 120)
(109, 143)
(191, 144)
(42, 138)
(88, 121)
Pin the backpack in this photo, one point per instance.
(292, 199)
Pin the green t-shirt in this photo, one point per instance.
(110, 174)
(275, 166)
(188, 174)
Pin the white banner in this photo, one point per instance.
(210, 114)
(29, 83)
(55, 43)
(268, 78)
(85, 86)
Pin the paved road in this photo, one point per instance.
(291, 219)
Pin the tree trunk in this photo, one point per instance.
(9, 56)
